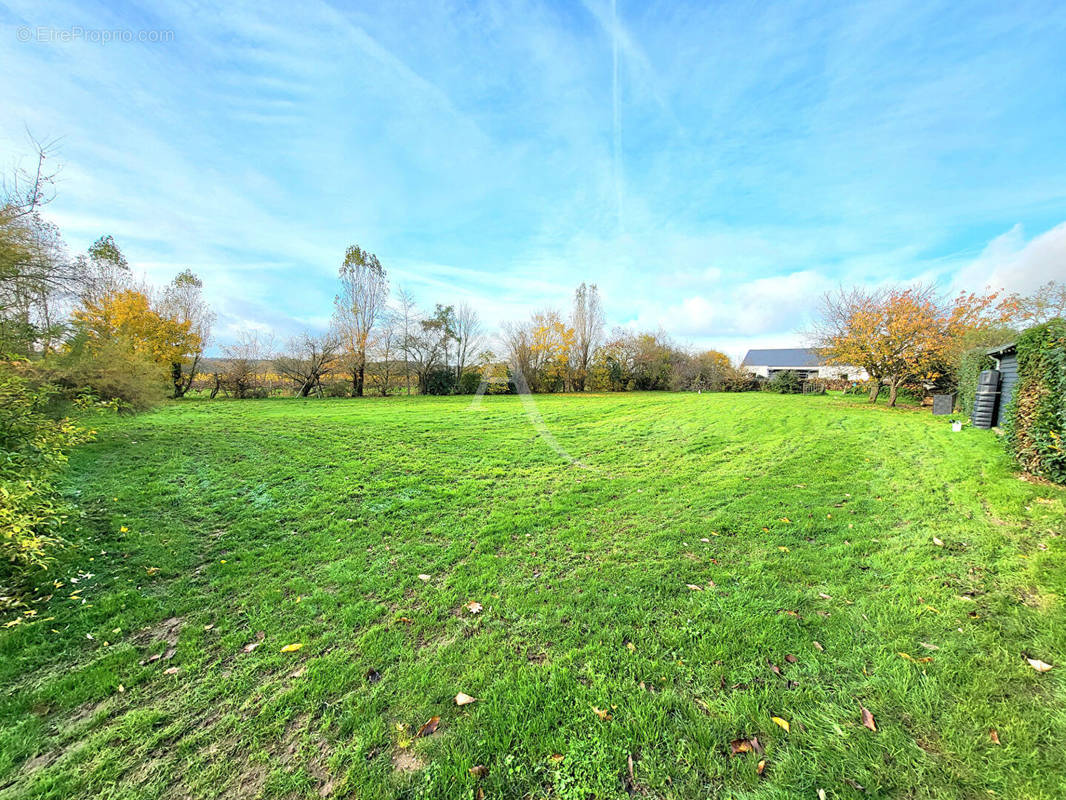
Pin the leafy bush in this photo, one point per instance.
(785, 382)
(469, 383)
(970, 366)
(440, 381)
(111, 370)
(1036, 417)
(33, 449)
(337, 389)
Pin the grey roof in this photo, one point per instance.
(785, 357)
(1003, 348)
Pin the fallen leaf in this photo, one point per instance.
(937, 542)
(785, 520)
(821, 794)
(738, 746)
(248, 648)
(754, 742)
(123, 529)
(473, 607)
(631, 647)
(928, 646)
(760, 767)
(824, 596)
(463, 699)
(151, 570)
(773, 667)
(292, 648)
(556, 757)
(1038, 665)
(791, 659)
(783, 724)
(783, 549)
(818, 647)
(405, 620)
(694, 587)
(479, 771)
(858, 787)
(602, 713)
(867, 718)
(423, 577)
(428, 727)
(993, 735)
(171, 671)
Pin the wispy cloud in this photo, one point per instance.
(712, 167)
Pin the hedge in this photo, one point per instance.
(1036, 418)
(970, 367)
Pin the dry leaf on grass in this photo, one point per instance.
(462, 699)
(818, 647)
(937, 542)
(423, 576)
(631, 647)
(867, 718)
(783, 724)
(479, 771)
(694, 587)
(791, 659)
(993, 735)
(428, 727)
(473, 607)
(1038, 665)
(602, 713)
(292, 648)
(171, 671)
(738, 746)
(760, 767)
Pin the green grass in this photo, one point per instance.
(311, 521)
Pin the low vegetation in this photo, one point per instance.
(661, 595)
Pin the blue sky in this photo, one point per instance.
(713, 167)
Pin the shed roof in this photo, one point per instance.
(783, 357)
(1001, 349)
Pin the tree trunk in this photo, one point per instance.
(217, 386)
(875, 389)
(893, 388)
(175, 377)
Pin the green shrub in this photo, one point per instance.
(469, 382)
(970, 366)
(33, 449)
(111, 371)
(1036, 417)
(440, 381)
(786, 382)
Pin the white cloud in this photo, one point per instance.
(1012, 263)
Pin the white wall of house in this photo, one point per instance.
(833, 372)
(827, 372)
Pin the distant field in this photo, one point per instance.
(659, 578)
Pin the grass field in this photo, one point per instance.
(659, 578)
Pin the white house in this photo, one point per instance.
(804, 361)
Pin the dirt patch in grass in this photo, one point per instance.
(406, 761)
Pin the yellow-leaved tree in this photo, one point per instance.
(128, 315)
(899, 334)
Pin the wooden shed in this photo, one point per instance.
(1006, 358)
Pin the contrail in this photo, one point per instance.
(616, 93)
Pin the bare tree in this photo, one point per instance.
(306, 359)
(242, 373)
(468, 336)
(364, 292)
(407, 312)
(1046, 303)
(387, 342)
(587, 321)
(183, 300)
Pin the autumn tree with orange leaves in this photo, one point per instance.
(128, 315)
(898, 335)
